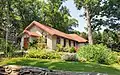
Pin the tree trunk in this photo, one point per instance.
(88, 21)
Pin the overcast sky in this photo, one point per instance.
(75, 14)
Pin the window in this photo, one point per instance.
(26, 42)
(64, 42)
(69, 42)
(58, 40)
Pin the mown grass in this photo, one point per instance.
(63, 65)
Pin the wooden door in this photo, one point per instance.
(26, 43)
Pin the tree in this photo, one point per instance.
(107, 37)
(75, 32)
(109, 15)
(111, 11)
(97, 37)
(92, 8)
(84, 35)
(111, 39)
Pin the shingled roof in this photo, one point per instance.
(53, 32)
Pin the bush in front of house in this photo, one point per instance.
(97, 53)
(60, 48)
(72, 50)
(38, 43)
(69, 57)
(42, 54)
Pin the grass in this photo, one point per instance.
(63, 65)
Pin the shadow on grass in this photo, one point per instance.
(67, 66)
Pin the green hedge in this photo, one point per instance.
(42, 54)
(97, 53)
(60, 48)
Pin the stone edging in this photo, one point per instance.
(28, 70)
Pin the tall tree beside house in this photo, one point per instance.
(92, 8)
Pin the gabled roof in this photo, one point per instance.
(31, 33)
(53, 31)
(78, 38)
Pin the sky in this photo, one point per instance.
(76, 14)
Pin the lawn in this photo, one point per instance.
(63, 65)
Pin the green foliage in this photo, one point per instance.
(60, 48)
(66, 49)
(107, 37)
(42, 54)
(69, 57)
(84, 35)
(2, 44)
(97, 53)
(9, 51)
(72, 49)
(118, 59)
(81, 59)
(39, 43)
(69, 49)
(75, 32)
(110, 11)
(111, 39)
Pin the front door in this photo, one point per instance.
(26, 43)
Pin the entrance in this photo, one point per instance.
(26, 43)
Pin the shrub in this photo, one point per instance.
(117, 53)
(60, 48)
(97, 53)
(69, 57)
(38, 43)
(118, 59)
(42, 54)
(82, 59)
(72, 49)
